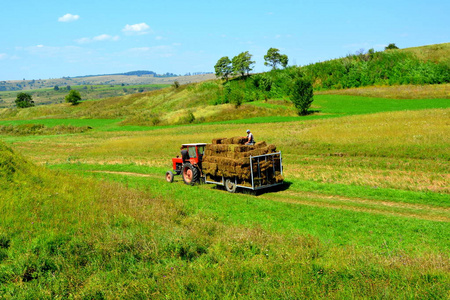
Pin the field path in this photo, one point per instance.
(382, 207)
(128, 174)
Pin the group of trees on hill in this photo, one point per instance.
(24, 100)
(239, 65)
(242, 63)
(289, 82)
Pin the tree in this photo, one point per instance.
(242, 63)
(56, 88)
(24, 100)
(302, 95)
(223, 68)
(274, 58)
(73, 97)
(391, 46)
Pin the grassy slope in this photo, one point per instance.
(166, 107)
(330, 234)
(435, 53)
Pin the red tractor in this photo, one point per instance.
(189, 165)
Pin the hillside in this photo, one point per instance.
(421, 65)
(122, 79)
(364, 213)
(439, 53)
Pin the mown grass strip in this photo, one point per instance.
(401, 196)
(344, 227)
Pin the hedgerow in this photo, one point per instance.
(376, 68)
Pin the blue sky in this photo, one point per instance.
(51, 39)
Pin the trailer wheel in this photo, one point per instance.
(190, 174)
(230, 186)
(169, 176)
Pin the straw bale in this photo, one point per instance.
(217, 148)
(235, 140)
(218, 141)
(243, 148)
(230, 158)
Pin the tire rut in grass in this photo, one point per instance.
(128, 173)
(416, 211)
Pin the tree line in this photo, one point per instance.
(289, 82)
(242, 63)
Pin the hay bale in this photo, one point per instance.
(218, 141)
(231, 158)
(235, 140)
(261, 144)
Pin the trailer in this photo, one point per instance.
(231, 184)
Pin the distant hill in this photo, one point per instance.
(128, 78)
(137, 73)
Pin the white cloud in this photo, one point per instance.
(98, 38)
(158, 38)
(3, 55)
(106, 37)
(151, 52)
(68, 18)
(139, 29)
(84, 40)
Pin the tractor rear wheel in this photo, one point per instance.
(190, 174)
(169, 176)
(230, 186)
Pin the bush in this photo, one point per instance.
(302, 95)
(24, 100)
(73, 97)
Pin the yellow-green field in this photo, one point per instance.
(364, 213)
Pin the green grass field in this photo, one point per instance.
(364, 212)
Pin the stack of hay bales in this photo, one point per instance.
(230, 158)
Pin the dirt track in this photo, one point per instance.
(386, 207)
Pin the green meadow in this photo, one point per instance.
(364, 212)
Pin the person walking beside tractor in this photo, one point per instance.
(250, 139)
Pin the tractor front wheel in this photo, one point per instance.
(190, 174)
(169, 176)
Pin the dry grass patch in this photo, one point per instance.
(430, 91)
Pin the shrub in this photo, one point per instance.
(73, 97)
(24, 100)
(302, 95)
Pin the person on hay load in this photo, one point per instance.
(250, 139)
